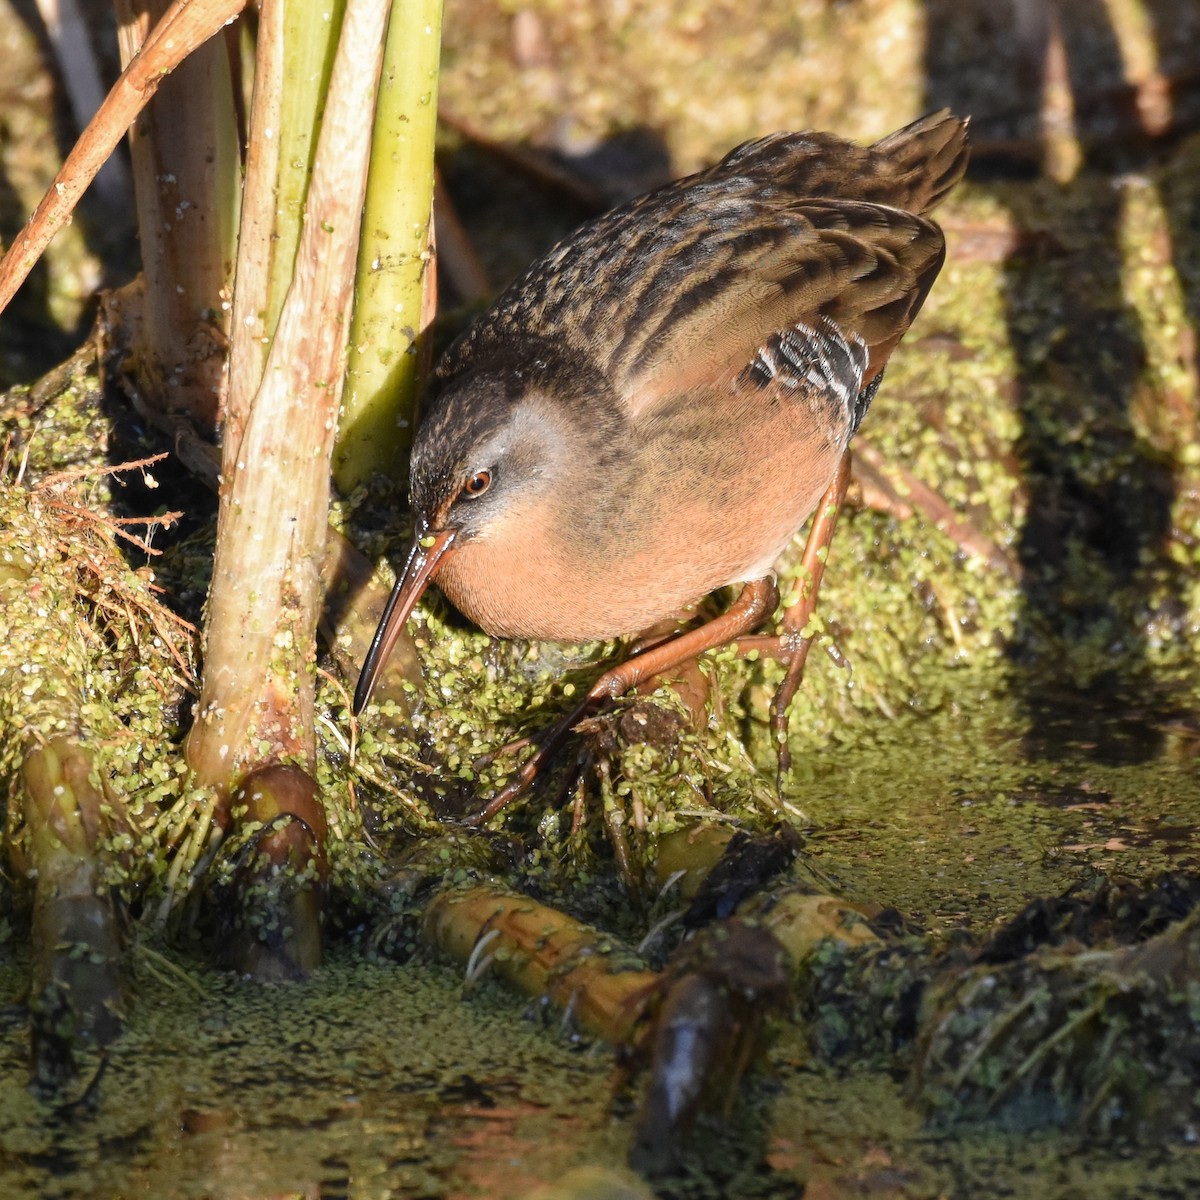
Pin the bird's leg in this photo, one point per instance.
(757, 601)
(797, 617)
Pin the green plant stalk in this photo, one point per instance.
(388, 350)
(294, 56)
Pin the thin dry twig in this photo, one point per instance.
(969, 538)
(98, 470)
(58, 493)
(534, 164)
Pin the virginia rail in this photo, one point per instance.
(654, 409)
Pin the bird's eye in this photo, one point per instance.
(477, 484)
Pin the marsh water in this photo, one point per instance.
(378, 1080)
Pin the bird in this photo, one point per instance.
(654, 409)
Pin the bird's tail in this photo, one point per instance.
(929, 157)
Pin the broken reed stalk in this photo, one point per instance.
(77, 984)
(545, 953)
(395, 297)
(696, 1025)
(67, 826)
(186, 151)
(541, 952)
(256, 707)
(273, 931)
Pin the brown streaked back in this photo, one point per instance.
(686, 282)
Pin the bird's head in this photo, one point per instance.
(493, 444)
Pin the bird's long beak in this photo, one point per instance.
(423, 560)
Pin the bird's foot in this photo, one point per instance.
(791, 649)
(756, 602)
(546, 745)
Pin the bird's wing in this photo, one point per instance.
(847, 270)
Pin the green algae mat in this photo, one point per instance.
(377, 1079)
